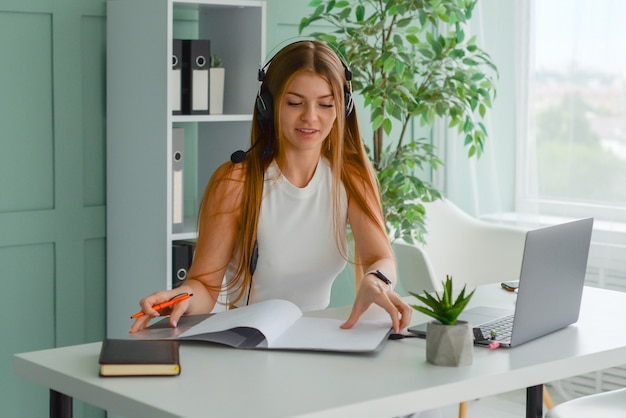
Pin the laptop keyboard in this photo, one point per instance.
(498, 329)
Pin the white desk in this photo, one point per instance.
(225, 382)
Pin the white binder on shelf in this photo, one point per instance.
(176, 77)
(178, 213)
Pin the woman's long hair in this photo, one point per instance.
(343, 148)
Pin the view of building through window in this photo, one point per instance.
(578, 101)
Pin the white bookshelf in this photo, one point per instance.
(139, 126)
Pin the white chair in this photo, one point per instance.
(415, 271)
(471, 251)
(610, 404)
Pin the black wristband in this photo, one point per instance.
(381, 276)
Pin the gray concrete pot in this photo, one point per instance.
(449, 345)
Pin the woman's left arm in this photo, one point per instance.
(375, 253)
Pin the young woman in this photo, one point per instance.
(273, 221)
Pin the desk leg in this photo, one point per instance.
(534, 401)
(60, 405)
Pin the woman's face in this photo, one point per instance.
(307, 112)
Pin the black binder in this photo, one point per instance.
(182, 257)
(195, 80)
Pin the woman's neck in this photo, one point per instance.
(299, 168)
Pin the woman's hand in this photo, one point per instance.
(175, 311)
(374, 290)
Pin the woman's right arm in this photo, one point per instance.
(219, 218)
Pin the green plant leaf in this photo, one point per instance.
(378, 121)
(360, 13)
(442, 307)
(387, 126)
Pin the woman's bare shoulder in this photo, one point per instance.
(226, 185)
(228, 175)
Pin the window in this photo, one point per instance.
(574, 159)
(573, 152)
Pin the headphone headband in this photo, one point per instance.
(262, 71)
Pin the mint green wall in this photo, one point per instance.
(52, 178)
(283, 18)
(52, 185)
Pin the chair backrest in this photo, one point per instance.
(415, 271)
(472, 251)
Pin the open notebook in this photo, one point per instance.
(273, 324)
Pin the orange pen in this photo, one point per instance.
(162, 305)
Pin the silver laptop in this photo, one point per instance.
(550, 288)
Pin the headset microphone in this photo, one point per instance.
(238, 156)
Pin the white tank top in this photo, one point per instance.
(299, 257)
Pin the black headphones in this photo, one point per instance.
(265, 108)
(265, 102)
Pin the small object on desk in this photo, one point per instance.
(478, 335)
(510, 286)
(159, 306)
(139, 358)
(394, 336)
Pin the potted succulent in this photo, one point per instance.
(216, 86)
(449, 341)
(412, 63)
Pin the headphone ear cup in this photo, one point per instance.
(349, 101)
(265, 108)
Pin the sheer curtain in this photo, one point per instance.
(485, 185)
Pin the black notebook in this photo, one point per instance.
(139, 358)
